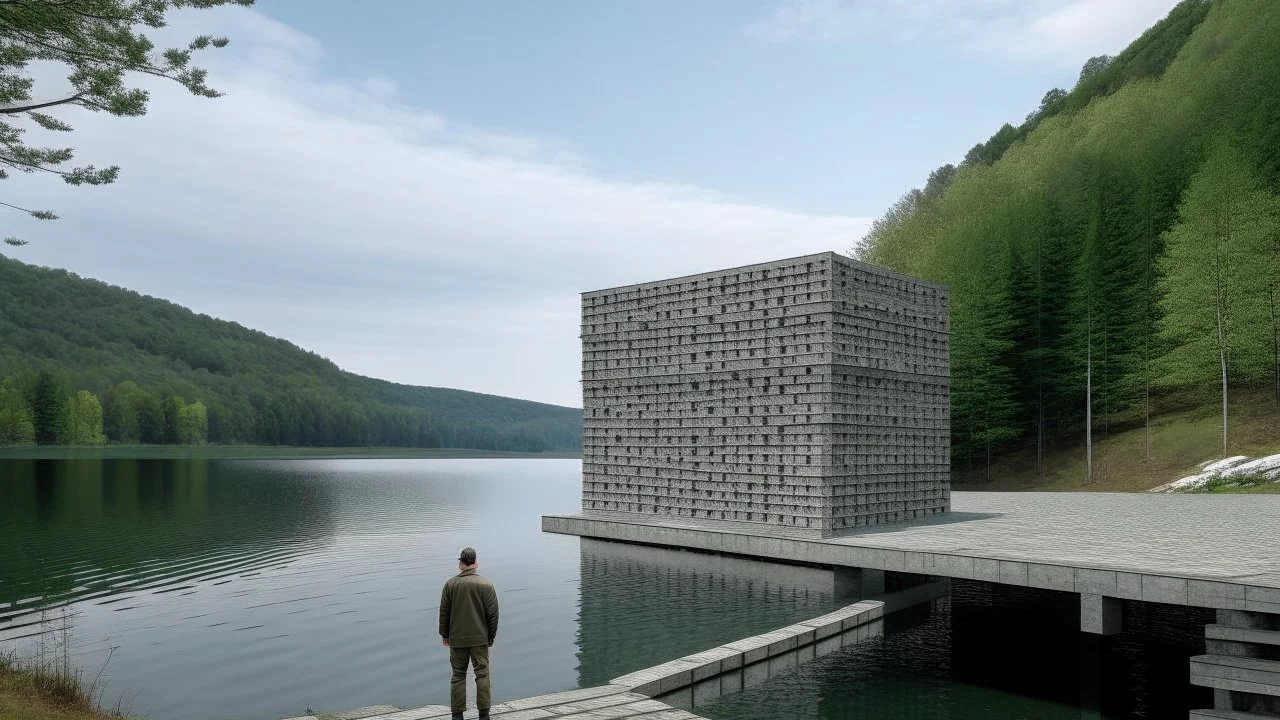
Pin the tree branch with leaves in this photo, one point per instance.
(100, 42)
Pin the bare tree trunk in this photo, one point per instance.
(1088, 402)
(1275, 335)
(1222, 358)
(1040, 359)
(1106, 388)
(1221, 279)
(1148, 328)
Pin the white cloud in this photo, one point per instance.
(1062, 30)
(383, 235)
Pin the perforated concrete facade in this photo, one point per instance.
(809, 394)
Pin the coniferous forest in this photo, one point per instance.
(84, 363)
(1116, 252)
(1119, 248)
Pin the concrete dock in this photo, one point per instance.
(609, 701)
(1210, 551)
(671, 691)
(1217, 551)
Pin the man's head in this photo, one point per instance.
(467, 558)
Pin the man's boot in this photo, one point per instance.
(484, 714)
(457, 716)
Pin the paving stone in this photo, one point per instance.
(429, 712)
(360, 713)
(595, 703)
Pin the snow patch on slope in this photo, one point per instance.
(1240, 465)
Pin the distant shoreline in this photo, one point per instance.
(261, 452)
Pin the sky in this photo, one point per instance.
(420, 190)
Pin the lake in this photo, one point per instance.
(256, 589)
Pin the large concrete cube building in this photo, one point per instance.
(808, 394)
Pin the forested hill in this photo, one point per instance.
(1120, 248)
(151, 371)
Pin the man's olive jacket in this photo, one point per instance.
(468, 610)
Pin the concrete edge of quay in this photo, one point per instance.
(671, 690)
(1048, 575)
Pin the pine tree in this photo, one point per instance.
(100, 43)
(48, 403)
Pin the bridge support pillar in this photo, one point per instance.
(1091, 676)
(858, 583)
(1100, 615)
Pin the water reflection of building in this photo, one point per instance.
(642, 605)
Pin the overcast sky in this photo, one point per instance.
(419, 191)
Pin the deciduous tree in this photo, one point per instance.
(16, 424)
(1216, 279)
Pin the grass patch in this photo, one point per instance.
(1243, 483)
(1129, 459)
(44, 684)
(254, 452)
(47, 693)
(1270, 489)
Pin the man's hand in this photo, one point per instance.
(444, 642)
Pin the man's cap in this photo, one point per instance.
(467, 556)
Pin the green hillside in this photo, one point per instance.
(160, 373)
(1118, 254)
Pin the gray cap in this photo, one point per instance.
(467, 556)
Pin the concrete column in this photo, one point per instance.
(858, 583)
(1100, 615)
(1090, 660)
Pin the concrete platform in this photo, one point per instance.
(610, 701)
(1214, 551)
(671, 691)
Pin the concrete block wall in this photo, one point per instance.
(891, 430)
(807, 394)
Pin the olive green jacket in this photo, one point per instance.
(468, 610)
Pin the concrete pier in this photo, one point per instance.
(1213, 551)
(1100, 615)
(672, 690)
(1210, 551)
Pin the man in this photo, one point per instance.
(468, 626)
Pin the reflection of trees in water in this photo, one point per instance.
(641, 606)
(78, 529)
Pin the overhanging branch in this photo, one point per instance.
(37, 106)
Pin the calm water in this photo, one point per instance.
(994, 652)
(257, 589)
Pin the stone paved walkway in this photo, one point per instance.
(598, 703)
(1233, 538)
